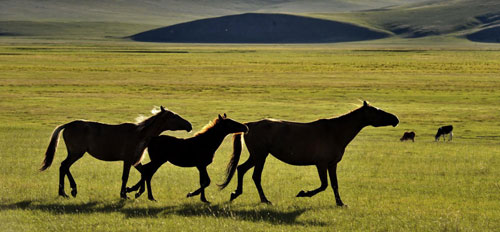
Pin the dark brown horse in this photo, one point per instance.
(197, 151)
(408, 136)
(321, 143)
(124, 142)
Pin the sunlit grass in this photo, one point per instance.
(388, 185)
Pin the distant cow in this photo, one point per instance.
(442, 131)
(408, 136)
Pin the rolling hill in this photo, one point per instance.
(102, 20)
(260, 28)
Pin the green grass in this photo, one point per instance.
(388, 185)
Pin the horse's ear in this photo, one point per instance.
(365, 103)
(162, 109)
(225, 116)
(220, 117)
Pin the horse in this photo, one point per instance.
(408, 136)
(321, 143)
(124, 142)
(442, 131)
(197, 151)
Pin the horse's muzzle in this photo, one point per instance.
(395, 121)
(189, 128)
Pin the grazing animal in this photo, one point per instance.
(321, 143)
(408, 136)
(197, 151)
(124, 142)
(444, 130)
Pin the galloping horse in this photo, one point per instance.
(197, 151)
(442, 131)
(124, 142)
(321, 143)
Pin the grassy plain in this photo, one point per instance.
(388, 185)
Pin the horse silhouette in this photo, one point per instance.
(321, 143)
(124, 142)
(197, 151)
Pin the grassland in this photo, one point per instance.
(388, 185)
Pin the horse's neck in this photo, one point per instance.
(212, 137)
(348, 126)
(150, 129)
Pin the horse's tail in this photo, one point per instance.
(233, 163)
(51, 150)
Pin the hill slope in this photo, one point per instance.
(102, 19)
(458, 17)
(168, 12)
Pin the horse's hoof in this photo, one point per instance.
(73, 192)
(266, 202)
(63, 195)
(301, 194)
(189, 195)
(124, 196)
(233, 196)
(206, 202)
(127, 190)
(152, 199)
(341, 205)
(137, 195)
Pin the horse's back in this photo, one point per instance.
(291, 142)
(446, 129)
(163, 146)
(103, 141)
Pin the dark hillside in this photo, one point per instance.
(260, 28)
(490, 35)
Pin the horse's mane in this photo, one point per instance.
(347, 114)
(207, 127)
(148, 121)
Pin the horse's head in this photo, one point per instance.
(377, 117)
(169, 120)
(230, 126)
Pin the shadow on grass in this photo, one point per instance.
(258, 214)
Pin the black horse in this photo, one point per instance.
(321, 143)
(197, 151)
(444, 130)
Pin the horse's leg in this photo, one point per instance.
(324, 183)
(140, 183)
(257, 176)
(204, 182)
(332, 170)
(149, 175)
(242, 169)
(64, 170)
(451, 136)
(126, 171)
(150, 191)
